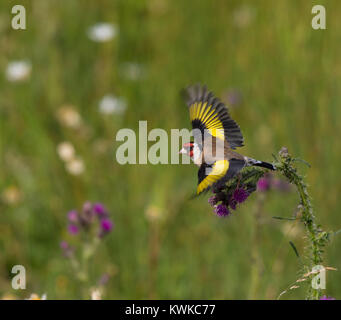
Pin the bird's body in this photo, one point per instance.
(209, 153)
(216, 136)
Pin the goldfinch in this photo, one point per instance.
(216, 136)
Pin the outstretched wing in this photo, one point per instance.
(218, 174)
(208, 113)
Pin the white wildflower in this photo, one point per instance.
(66, 151)
(96, 294)
(102, 32)
(111, 104)
(75, 166)
(68, 116)
(35, 296)
(18, 70)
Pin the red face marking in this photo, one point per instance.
(189, 148)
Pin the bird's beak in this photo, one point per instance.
(182, 150)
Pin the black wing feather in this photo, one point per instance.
(200, 94)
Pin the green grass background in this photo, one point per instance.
(289, 76)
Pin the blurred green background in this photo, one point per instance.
(281, 80)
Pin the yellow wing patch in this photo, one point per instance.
(218, 133)
(206, 115)
(218, 171)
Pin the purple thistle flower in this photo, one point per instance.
(326, 298)
(84, 220)
(263, 184)
(73, 229)
(100, 210)
(213, 201)
(240, 195)
(221, 210)
(105, 227)
(72, 216)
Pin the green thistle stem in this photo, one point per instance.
(317, 238)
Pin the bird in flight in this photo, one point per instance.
(216, 136)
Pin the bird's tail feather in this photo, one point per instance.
(258, 163)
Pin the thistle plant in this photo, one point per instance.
(317, 238)
(235, 192)
(242, 185)
(87, 227)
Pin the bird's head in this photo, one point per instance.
(191, 149)
(187, 149)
